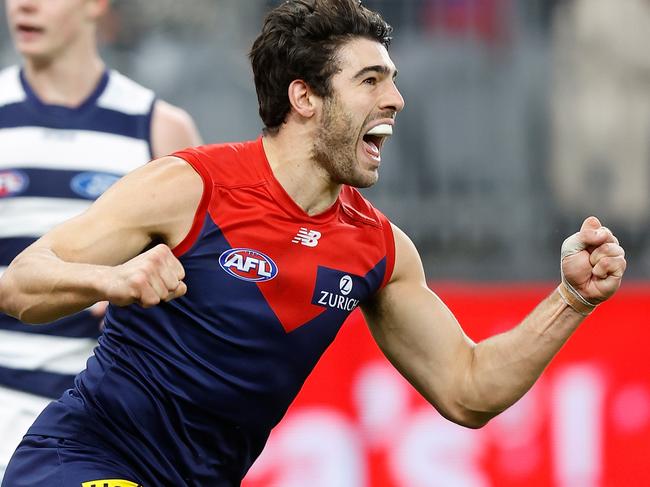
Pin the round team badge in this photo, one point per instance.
(12, 183)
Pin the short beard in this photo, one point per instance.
(335, 147)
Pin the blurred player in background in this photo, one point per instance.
(230, 268)
(69, 128)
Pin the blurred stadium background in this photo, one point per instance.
(522, 117)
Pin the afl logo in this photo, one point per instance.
(12, 183)
(248, 265)
(92, 185)
(345, 285)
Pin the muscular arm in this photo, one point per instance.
(172, 129)
(98, 255)
(470, 383)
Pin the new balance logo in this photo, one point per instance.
(309, 238)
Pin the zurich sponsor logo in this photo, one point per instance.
(92, 185)
(337, 290)
(248, 265)
(12, 183)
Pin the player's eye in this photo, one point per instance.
(370, 81)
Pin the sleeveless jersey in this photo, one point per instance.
(188, 391)
(54, 161)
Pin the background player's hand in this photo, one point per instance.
(147, 279)
(593, 262)
(98, 310)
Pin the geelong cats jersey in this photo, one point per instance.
(54, 161)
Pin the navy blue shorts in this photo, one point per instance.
(42, 461)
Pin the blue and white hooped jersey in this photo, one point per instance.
(54, 161)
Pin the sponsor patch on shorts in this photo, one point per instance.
(110, 483)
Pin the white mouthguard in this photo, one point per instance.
(381, 130)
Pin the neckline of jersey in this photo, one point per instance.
(285, 201)
(61, 110)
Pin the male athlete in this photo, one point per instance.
(69, 128)
(230, 268)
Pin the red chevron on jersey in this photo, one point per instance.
(303, 265)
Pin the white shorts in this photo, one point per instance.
(18, 410)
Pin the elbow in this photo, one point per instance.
(473, 419)
(458, 409)
(468, 418)
(11, 303)
(30, 318)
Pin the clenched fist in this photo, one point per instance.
(148, 279)
(592, 262)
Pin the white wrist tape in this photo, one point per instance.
(573, 245)
(574, 300)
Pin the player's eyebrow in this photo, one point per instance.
(377, 68)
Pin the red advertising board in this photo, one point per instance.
(586, 423)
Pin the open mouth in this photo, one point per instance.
(374, 139)
(28, 29)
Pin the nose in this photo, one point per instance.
(24, 5)
(393, 99)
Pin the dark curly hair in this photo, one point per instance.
(300, 40)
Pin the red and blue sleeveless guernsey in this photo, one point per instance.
(188, 391)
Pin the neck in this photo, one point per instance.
(67, 79)
(290, 156)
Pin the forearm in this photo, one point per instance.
(505, 366)
(470, 383)
(38, 287)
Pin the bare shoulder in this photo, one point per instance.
(166, 182)
(407, 278)
(154, 203)
(408, 265)
(167, 169)
(170, 115)
(159, 176)
(172, 129)
(160, 197)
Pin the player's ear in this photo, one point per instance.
(302, 99)
(97, 8)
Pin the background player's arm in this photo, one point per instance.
(470, 383)
(172, 129)
(100, 255)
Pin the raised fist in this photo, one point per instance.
(147, 279)
(593, 262)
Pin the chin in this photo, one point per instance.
(364, 179)
(33, 53)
